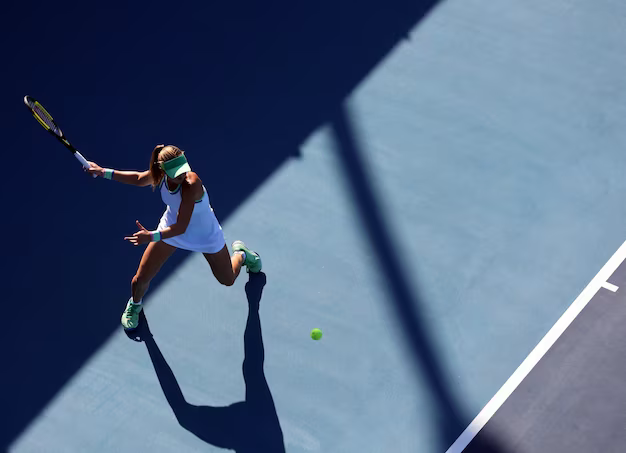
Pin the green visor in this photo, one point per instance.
(175, 167)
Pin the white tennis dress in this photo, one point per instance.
(204, 233)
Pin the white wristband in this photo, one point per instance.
(108, 173)
(156, 235)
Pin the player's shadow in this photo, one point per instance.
(246, 426)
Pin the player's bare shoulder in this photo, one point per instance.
(194, 183)
(193, 179)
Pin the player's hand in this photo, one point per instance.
(142, 236)
(94, 169)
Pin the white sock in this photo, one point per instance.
(243, 254)
(136, 303)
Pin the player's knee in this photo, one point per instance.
(227, 281)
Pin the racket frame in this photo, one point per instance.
(59, 134)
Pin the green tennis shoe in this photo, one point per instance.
(253, 260)
(130, 317)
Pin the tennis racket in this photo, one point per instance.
(46, 120)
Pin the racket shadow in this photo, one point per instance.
(245, 426)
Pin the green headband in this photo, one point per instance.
(175, 167)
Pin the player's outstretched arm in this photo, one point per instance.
(134, 178)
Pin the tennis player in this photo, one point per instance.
(188, 223)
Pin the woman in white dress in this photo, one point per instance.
(188, 223)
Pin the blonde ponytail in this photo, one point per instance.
(155, 169)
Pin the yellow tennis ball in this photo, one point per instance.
(316, 334)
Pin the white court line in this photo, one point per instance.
(533, 358)
(610, 286)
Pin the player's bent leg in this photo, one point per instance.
(155, 255)
(224, 267)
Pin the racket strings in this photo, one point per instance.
(45, 118)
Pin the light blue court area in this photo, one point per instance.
(435, 229)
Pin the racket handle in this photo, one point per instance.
(82, 160)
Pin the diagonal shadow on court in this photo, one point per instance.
(249, 426)
(239, 86)
(450, 417)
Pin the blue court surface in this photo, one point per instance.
(439, 187)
